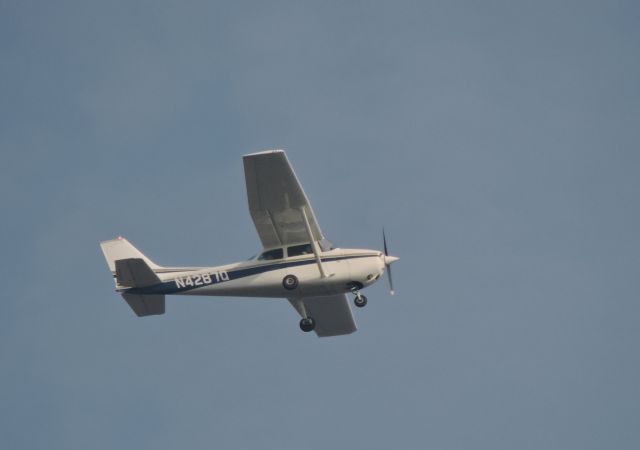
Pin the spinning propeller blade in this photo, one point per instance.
(388, 260)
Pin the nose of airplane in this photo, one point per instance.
(390, 259)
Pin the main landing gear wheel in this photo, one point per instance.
(290, 282)
(360, 301)
(307, 324)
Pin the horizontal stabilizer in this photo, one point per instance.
(145, 305)
(134, 272)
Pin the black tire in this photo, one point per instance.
(360, 301)
(290, 282)
(307, 324)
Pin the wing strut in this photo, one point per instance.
(314, 244)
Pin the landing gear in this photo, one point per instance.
(360, 301)
(307, 324)
(290, 282)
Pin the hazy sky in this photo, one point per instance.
(497, 142)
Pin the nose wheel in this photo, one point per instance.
(307, 324)
(360, 301)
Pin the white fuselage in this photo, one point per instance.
(345, 270)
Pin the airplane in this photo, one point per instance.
(296, 263)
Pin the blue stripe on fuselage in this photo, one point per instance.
(170, 286)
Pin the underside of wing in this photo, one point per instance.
(277, 202)
(332, 314)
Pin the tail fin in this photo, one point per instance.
(120, 248)
(131, 268)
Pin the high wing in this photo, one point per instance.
(332, 314)
(281, 212)
(277, 200)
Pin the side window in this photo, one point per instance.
(269, 255)
(297, 250)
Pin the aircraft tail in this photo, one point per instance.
(132, 269)
(120, 248)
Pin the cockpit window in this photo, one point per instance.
(297, 250)
(269, 255)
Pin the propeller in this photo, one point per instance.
(388, 260)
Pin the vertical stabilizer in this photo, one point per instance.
(120, 248)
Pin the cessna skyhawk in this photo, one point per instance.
(297, 262)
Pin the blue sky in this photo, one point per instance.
(497, 142)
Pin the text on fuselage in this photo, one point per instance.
(202, 279)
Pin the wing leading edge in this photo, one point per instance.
(276, 200)
(332, 314)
